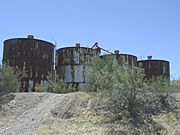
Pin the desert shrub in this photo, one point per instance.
(9, 79)
(124, 91)
(175, 85)
(130, 87)
(59, 86)
(125, 87)
(39, 87)
(121, 84)
(161, 89)
(99, 77)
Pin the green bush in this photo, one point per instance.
(59, 86)
(99, 77)
(125, 86)
(39, 88)
(161, 89)
(9, 79)
(175, 85)
(122, 84)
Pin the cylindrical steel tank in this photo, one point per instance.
(31, 55)
(123, 59)
(155, 68)
(71, 63)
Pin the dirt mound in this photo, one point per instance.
(65, 114)
(25, 112)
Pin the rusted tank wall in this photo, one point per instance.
(123, 59)
(71, 63)
(155, 68)
(32, 55)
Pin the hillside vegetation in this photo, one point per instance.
(117, 99)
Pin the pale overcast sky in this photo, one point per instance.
(139, 27)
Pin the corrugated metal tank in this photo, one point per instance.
(155, 68)
(123, 59)
(71, 63)
(32, 55)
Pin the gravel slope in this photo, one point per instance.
(25, 113)
(64, 114)
(32, 118)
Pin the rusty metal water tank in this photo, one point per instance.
(155, 68)
(34, 56)
(71, 63)
(123, 59)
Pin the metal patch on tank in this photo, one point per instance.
(71, 63)
(79, 73)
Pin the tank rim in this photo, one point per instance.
(119, 54)
(73, 48)
(7, 40)
(154, 60)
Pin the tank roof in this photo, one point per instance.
(11, 39)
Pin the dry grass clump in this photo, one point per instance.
(88, 122)
(170, 121)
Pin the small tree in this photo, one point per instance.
(99, 77)
(129, 87)
(59, 86)
(126, 86)
(9, 79)
(121, 88)
(39, 87)
(175, 85)
(162, 89)
(122, 84)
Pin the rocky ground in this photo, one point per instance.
(68, 114)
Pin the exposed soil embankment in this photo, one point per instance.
(66, 114)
